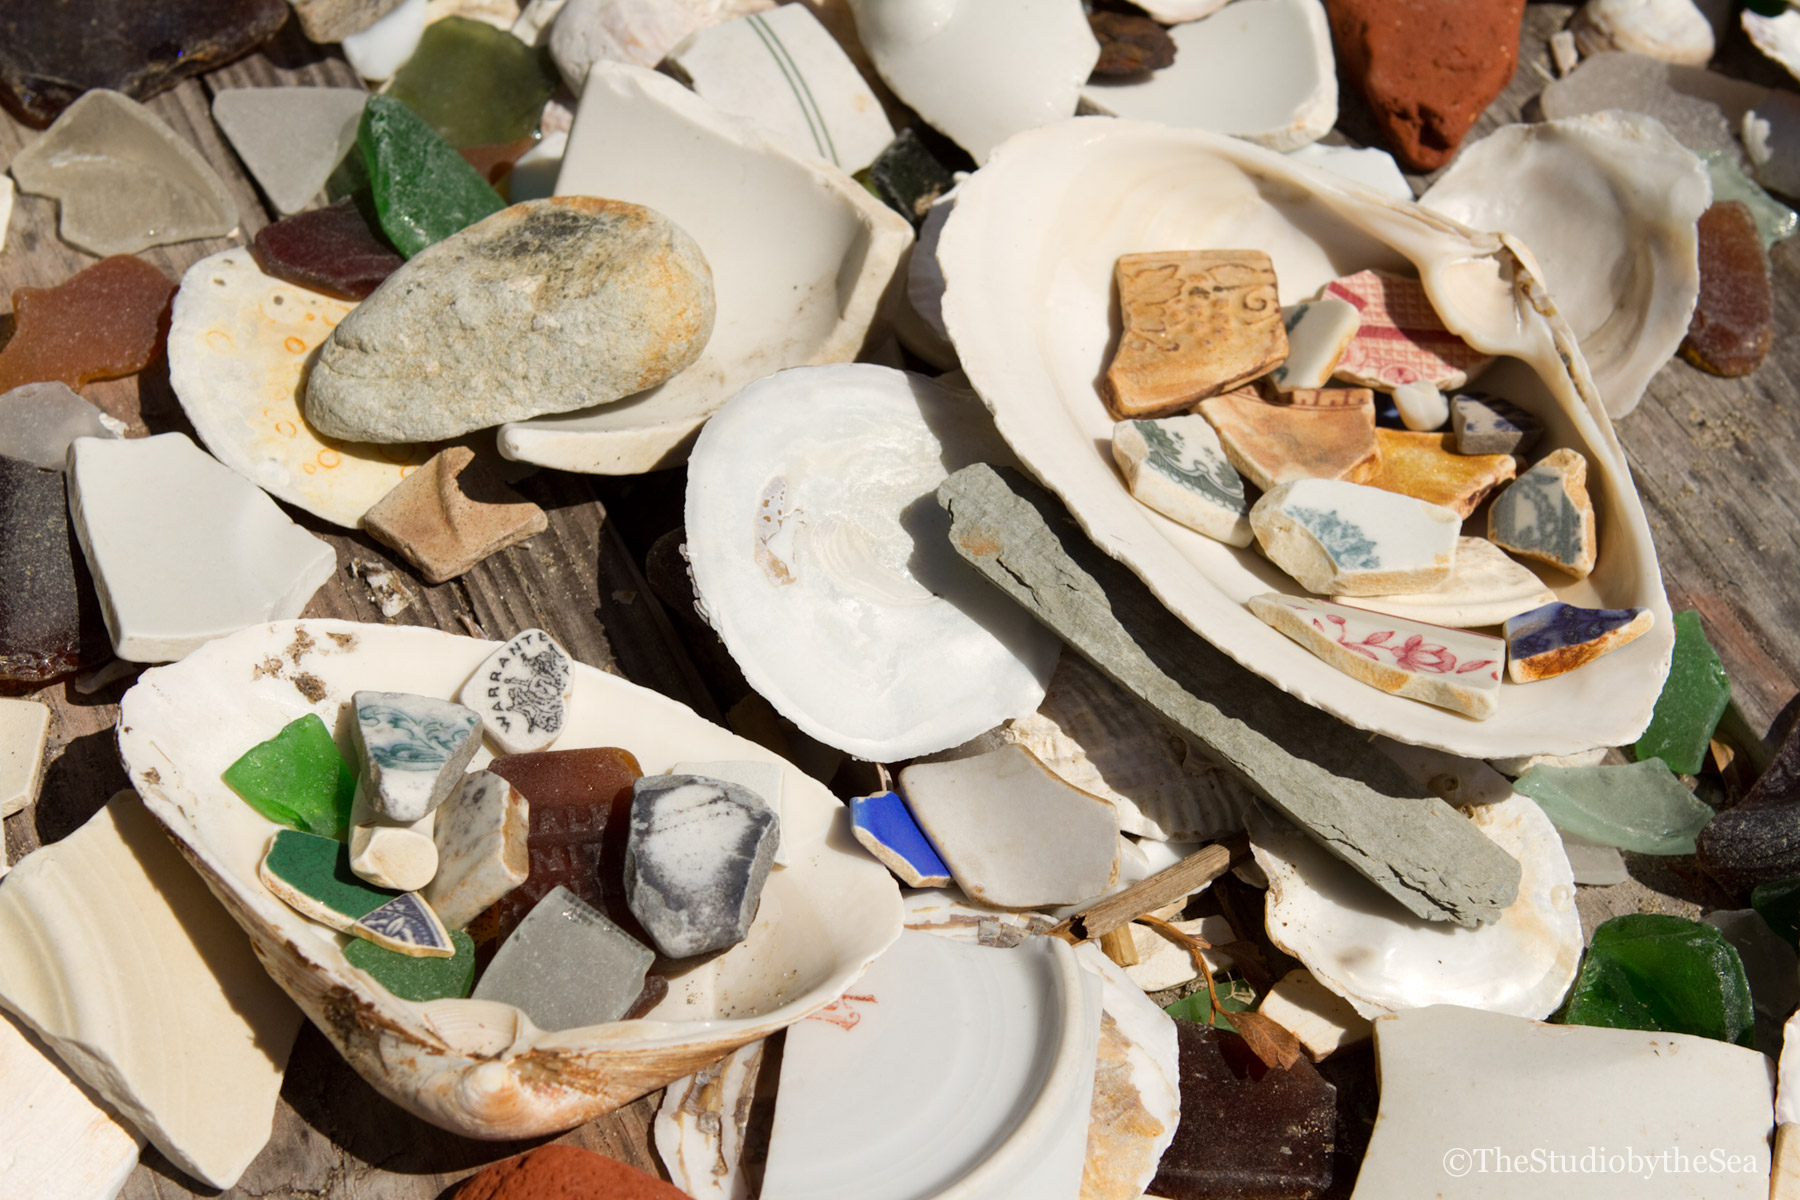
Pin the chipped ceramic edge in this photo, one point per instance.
(1605, 707)
(666, 442)
(477, 1068)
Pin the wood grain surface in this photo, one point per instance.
(1717, 462)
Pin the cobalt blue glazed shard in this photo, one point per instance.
(1558, 637)
(1546, 514)
(414, 750)
(696, 858)
(407, 925)
(1486, 424)
(885, 827)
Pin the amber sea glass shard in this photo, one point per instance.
(1733, 323)
(102, 323)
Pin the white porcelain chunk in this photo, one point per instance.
(1177, 466)
(1322, 1020)
(1487, 586)
(1013, 833)
(1261, 70)
(380, 50)
(762, 778)
(1028, 258)
(1613, 237)
(483, 1069)
(1778, 37)
(522, 692)
(411, 751)
(1370, 167)
(1787, 1094)
(401, 855)
(783, 69)
(1137, 1086)
(980, 71)
(481, 835)
(639, 32)
(1164, 964)
(24, 730)
(1318, 333)
(114, 953)
(822, 559)
(182, 549)
(947, 1070)
(1422, 406)
(534, 174)
(1381, 961)
(1461, 1087)
(290, 138)
(58, 1140)
(700, 1128)
(1349, 539)
(1173, 12)
(7, 191)
(800, 256)
(945, 913)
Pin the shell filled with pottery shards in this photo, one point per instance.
(481, 1068)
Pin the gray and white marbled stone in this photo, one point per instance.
(696, 858)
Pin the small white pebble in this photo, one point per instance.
(1422, 407)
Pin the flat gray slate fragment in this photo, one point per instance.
(696, 858)
(1321, 774)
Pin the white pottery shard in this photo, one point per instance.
(639, 32)
(522, 692)
(1322, 1020)
(1672, 30)
(1487, 586)
(382, 48)
(800, 256)
(118, 958)
(1342, 537)
(1778, 37)
(1137, 1086)
(1176, 466)
(24, 730)
(700, 1128)
(58, 1139)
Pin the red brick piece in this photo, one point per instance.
(565, 1173)
(107, 321)
(1734, 317)
(1429, 68)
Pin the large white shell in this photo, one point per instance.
(1381, 960)
(800, 255)
(1028, 260)
(823, 560)
(482, 1068)
(1607, 203)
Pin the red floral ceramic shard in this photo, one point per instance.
(107, 321)
(331, 250)
(1401, 340)
(1734, 318)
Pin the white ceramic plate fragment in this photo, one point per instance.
(481, 1068)
(1028, 260)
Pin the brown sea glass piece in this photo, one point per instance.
(1248, 1131)
(107, 321)
(1734, 317)
(580, 814)
(656, 987)
(50, 53)
(331, 250)
(1129, 44)
(50, 621)
(495, 162)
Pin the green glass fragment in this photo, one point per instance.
(1778, 902)
(1692, 701)
(424, 191)
(319, 869)
(297, 778)
(475, 84)
(1774, 220)
(417, 977)
(1640, 807)
(1234, 996)
(1665, 973)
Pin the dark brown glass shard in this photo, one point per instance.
(51, 51)
(1734, 317)
(1248, 1131)
(102, 323)
(580, 815)
(331, 250)
(1130, 45)
(50, 621)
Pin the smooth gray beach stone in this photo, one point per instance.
(544, 307)
(696, 858)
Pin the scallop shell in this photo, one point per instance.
(481, 1068)
(800, 255)
(1609, 205)
(1028, 260)
(1381, 961)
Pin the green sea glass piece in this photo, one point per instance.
(423, 190)
(1778, 902)
(1692, 701)
(1640, 807)
(414, 978)
(312, 875)
(1665, 973)
(1234, 996)
(297, 778)
(1774, 220)
(475, 84)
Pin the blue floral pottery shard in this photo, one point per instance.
(407, 925)
(414, 750)
(1177, 466)
(1486, 424)
(1557, 638)
(1545, 514)
(885, 827)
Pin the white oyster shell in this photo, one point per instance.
(481, 1068)
(800, 256)
(1319, 911)
(823, 560)
(1672, 30)
(1028, 259)
(1607, 204)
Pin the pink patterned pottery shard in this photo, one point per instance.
(1451, 668)
(1401, 339)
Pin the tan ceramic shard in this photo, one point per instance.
(1321, 434)
(391, 854)
(479, 1068)
(1426, 466)
(1028, 257)
(111, 950)
(1196, 323)
(451, 513)
(1486, 587)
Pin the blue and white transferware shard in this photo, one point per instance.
(1341, 538)
(1486, 424)
(521, 692)
(886, 829)
(414, 749)
(406, 924)
(1319, 331)
(1177, 466)
(1546, 514)
(1559, 637)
